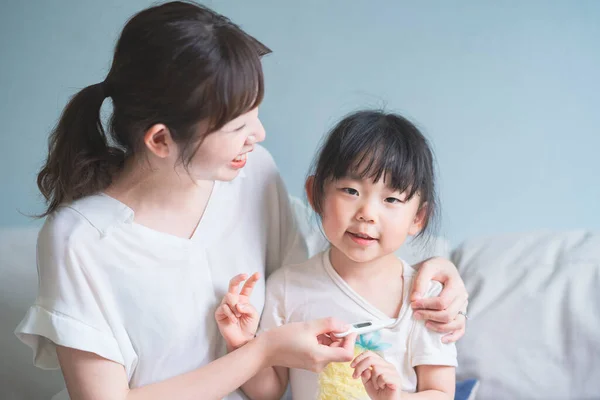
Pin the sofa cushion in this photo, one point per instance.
(19, 379)
(534, 328)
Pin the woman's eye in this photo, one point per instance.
(350, 191)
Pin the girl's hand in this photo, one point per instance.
(308, 345)
(442, 312)
(237, 319)
(381, 379)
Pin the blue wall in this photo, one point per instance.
(509, 93)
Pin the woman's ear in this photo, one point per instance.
(419, 220)
(159, 141)
(308, 187)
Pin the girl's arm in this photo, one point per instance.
(383, 382)
(434, 382)
(297, 345)
(268, 384)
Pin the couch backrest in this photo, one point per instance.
(534, 331)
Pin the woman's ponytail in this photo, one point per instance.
(80, 162)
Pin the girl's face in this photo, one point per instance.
(366, 220)
(224, 153)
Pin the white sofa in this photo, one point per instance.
(534, 331)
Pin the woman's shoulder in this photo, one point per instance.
(87, 218)
(260, 166)
(261, 158)
(260, 177)
(306, 270)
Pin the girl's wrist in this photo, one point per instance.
(231, 347)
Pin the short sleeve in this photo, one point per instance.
(426, 346)
(67, 311)
(274, 313)
(287, 245)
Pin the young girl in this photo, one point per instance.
(373, 186)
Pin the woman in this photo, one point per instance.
(146, 225)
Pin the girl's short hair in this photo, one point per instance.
(372, 144)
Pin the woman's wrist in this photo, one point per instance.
(266, 347)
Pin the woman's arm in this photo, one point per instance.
(441, 312)
(91, 377)
(298, 345)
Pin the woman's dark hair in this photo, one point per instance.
(371, 144)
(176, 64)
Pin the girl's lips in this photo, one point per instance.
(361, 239)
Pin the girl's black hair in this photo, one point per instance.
(372, 144)
(177, 64)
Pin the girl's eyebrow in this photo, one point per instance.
(352, 176)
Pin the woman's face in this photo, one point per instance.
(223, 153)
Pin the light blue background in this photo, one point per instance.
(508, 92)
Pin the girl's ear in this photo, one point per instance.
(419, 220)
(308, 187)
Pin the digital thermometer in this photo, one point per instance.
(366, 327)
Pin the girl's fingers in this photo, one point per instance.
(382, 381)
(247, 310)
(249, 285)
(234, 283)
(231, 300)
(366, 376)
(227, 313)
(362, 365)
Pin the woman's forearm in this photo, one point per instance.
(91, 377)
(213, 381)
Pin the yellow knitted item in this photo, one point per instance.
(336, 382)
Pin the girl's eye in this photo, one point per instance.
(350, 191)
(393, 200)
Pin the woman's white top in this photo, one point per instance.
(146, 299)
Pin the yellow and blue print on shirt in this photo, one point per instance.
(336, 382)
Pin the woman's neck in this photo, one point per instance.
(142, 186)
(162, 199)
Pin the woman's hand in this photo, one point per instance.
(442, 312)
(237, 319)
(308, 345)
(381, 379)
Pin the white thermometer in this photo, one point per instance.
(366, 327)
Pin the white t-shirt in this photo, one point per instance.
(314, 290)
(146, 299)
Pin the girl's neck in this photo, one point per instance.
(388, 266)
(379, 282)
